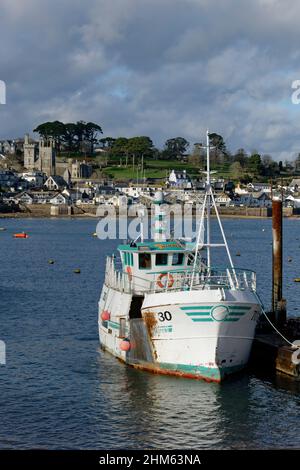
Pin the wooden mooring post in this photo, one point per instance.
(270, 350)
(278, 303)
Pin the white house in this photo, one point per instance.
(25, 198)
(260, 187)
(179, 179)
(58, 199)
(238, 190)
(73, 195)
(34, 178)
(293, 201)
(222, 200)
(55, 183)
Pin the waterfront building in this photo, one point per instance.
(58, 199)
(55, 183)
(259, 187)
(223, 200)
(179, 179)
(34, 178)
(24, 198)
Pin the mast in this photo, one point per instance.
(208, 201)
(159, 225)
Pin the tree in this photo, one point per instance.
(54, 130)
(236, 170)
(219, 152)
(241, 157)
(107, 142)
(176, 147)
(216, 140)
(140, 147)
(119, 148)
(90, 133)
(72, 135)
(254, 164)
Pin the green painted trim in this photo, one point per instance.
(215, 373)
(192, 314)
(197, 308)
(201, 319)
(113, 325)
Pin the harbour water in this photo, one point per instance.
(60, 391)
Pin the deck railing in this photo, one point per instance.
(179, 280)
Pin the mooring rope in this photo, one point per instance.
(294, 346)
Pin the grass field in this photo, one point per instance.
(161, 169)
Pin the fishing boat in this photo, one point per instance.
(165, 308)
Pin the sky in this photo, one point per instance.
(161, 68)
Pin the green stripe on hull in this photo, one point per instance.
(238, 307)
(213, 373)
(201, 319)
(114, 325)
(191, 314)
(191, 307)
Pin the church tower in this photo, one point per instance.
(29, 153)
(47, 156)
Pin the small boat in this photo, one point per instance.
(21, 235)
(2, 229)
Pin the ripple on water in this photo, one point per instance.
(59, 390)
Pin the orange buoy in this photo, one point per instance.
(129, 272)
(21, 235)
(125, 345)
(105, 315)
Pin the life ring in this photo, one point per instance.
(169, 278)
(129, 272)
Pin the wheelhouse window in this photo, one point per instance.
(145, 261)
(177, 259)
(161, 259)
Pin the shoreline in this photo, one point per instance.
(26, 215)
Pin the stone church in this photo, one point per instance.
(44, 159)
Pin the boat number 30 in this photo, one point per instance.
(164, 316)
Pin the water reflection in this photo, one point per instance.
(143, 410)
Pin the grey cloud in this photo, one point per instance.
(155, 67)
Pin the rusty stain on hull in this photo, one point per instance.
(151, 323)
(153, 369)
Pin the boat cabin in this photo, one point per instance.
(156, 262)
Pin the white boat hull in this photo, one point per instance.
(201, 333)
